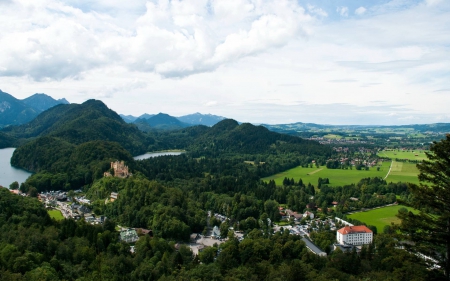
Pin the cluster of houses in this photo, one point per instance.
(290, 215)
(76, 210)
(343, 141)
(348, 237)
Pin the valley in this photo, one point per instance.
(275, 196)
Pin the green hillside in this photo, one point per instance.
(79, 123)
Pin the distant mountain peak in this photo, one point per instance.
(42, 102)
(201, 119)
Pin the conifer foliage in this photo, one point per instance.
(430, 229)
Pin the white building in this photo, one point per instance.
(354, 235)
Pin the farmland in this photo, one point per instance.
(379, 217)
(418, 155)
(337, 177)
(404, 172)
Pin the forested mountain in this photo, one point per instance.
(160, 121)
(62, 165)
(201, 119)
(79, 123)
(43, 102)
(15, 112)
(6, 141)
(230, 137)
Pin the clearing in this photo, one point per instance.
(55, 214)
(403, 172)
(380, 217)
(337, 177)
(418, 155)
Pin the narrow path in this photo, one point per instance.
(315, 171)
(390, 168)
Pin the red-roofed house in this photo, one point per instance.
(354, 235)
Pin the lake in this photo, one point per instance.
(156, 154)
(8, 173)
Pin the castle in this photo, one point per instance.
(120, 170)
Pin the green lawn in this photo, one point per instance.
(337, 177)
(380, 217)
(410, 155)
(332, 136)
(404, 172)
(55, 214)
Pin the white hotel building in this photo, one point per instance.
(354, 235)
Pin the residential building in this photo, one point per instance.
(129, 236)
(354, 235)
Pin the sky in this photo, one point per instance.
(371, 62)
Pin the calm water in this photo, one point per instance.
(9, 174)
(156, 154)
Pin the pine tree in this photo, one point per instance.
(429, 230)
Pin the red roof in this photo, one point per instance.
(354, 229)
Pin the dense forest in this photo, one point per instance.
(34, 247)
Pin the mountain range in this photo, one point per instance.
(14, 111)
(164, 121)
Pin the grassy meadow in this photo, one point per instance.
(338, 177)
(410, 155)
(404, 172)
(379, 217)
(55, 214)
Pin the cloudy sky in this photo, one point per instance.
(259, 61)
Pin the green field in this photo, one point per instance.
(404, 172)
(410, 155)
(332, 136)
(338, 177)
(55, 214)
(379, 217)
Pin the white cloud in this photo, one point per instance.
(46, 39)
(343, 11)
(360, 11)
(316, 11)
(433, 2)
(253, 60)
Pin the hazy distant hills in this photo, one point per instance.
(311, 129)
(15, 112)
(201, 119)
(159, 119)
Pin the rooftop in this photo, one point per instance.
(354, 229)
